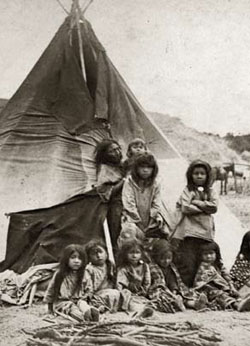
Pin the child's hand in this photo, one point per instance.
(233, 291)
(198, 203)
(159, 221)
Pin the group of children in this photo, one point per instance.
(157, 268)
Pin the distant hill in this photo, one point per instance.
(241, 144)
(193, 144)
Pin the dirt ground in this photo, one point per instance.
(234, 327)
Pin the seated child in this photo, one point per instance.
(240, 271)
(136, 147)
(133, 276)
(65, 288)
(166, 278)
(141, 198)
(99, 280)
(213, 279)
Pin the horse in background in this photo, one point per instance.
(221, 174)
(236, 175)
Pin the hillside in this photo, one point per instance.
(193, 144)
(239, 143)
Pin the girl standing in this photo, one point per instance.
(240, 271)
(99, 279)
(65, 288)
(195, 206)
(133, 277)
(213, 279)
(141, 199)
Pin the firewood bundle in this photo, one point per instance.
(132, 333)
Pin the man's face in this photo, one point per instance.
(114, 154)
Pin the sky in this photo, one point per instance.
(187, 58)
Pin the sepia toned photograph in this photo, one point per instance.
(124, 173)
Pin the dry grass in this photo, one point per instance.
(239, 205)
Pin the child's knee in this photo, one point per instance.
(129, 233)
(83, 306)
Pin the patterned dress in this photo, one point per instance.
(99, 288)
(136, 282)
(165, 281)
(162, 299)
(240, 275)
(216, 284)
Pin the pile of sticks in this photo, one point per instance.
(132, 333)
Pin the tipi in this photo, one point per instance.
(72, 98)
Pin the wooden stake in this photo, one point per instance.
(108, 242)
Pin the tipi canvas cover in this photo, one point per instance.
(50, 127)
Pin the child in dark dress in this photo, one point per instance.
(196, 206)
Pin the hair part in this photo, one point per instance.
(160, 249)
(127, 247)
(134, 142)
(90, 248)
(92, 245)
(212, 246)
(64, 268)
(142, 161)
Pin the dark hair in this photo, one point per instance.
(134, 142)
(212, 246)
(189, 173)
(245, 246)
(127, 247)
(159, 249)
(92, 245)
(101, 151)
(145, 160)
(64, 267)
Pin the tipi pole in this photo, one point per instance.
(76, 8)
(64, 8)
(108, 241)
(87, 6)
